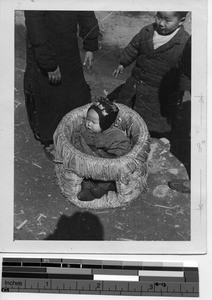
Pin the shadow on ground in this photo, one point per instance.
(81, 226)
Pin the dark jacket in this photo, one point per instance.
(155, 83)
(52, 36)
(152, 65)
(185, 67)
(52, 40)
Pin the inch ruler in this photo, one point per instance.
(100, 277)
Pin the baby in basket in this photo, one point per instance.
(98, 136)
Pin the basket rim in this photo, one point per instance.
(101, 168)
(71, 115)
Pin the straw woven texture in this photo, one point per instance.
(128, 171)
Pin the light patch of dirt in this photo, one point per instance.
(173, 171)
(161, 191)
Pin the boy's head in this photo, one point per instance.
(168, 21)
(101, 115)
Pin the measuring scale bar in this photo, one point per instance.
(90, 277)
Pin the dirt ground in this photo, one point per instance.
(41, 212)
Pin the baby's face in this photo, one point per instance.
(92, 121)
(167, 22)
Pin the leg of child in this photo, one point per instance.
(95, 189)
(85, 193)
(100, 188)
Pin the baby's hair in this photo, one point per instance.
(181, 14)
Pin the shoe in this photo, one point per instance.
(85, 195)
(180, 185)
(49, 152)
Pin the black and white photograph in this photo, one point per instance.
(107, 128)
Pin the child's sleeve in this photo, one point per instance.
(88, 30)
(120, 145)
(132, 51)
(36, 33)
(119, 148)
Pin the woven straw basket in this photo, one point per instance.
(129, 171)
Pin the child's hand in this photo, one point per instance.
(88, 61)
(55, 77)
(119, 70)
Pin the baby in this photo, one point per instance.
(98, 136)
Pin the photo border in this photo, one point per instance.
(197, 245)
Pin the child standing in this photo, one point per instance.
(155, 85)
(98, 136)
